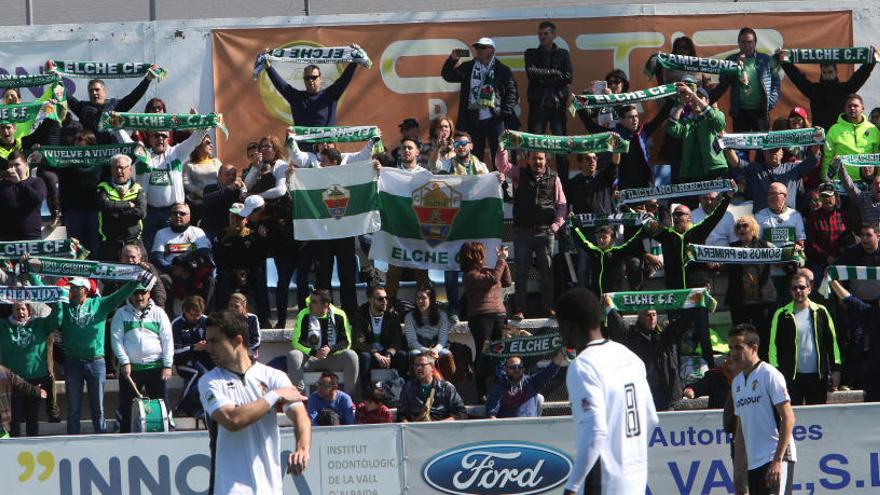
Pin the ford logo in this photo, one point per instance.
(509, 468)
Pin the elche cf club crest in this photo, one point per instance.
(436, 204)
(336, 200)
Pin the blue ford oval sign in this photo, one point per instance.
(495, 468)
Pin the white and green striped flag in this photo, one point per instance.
(847, 272)
(426, 218)
(334, 202)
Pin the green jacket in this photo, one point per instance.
(846, 138)
(300, 337)
(23, 347)
(783, 352)
(82, 327)
(699, 159)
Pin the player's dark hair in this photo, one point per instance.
(748, 332)
(581, 306)
(230, 325)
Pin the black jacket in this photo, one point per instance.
(447, 403)
(826, 97)
(89, 114)
(783, 341)
(505, 100)
(390, 336)
(550, 75)
(592, 194)
(21, 203)
(216, 202)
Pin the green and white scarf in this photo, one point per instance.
(339, 134)
(603, 142)
(58, 267)
(162, 121)
(744, 256)
(660, 300)
(104, 70)
(581, 102)
(85, 157)
(862, 160)
(68, 248)
(47, 294)
(29, 113)
(313, 55)
(847, 272)
(793, 138)
(687, 63)
(628, 219)
(531, 345)
(642, 194)
(854, 55)
(28, 81)
(483, 91)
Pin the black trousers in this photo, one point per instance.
(482, 327)
(757, 486)
(483, 130)
(27, 409)
(750, 120)
(807, 388)
(555, 119)
(298, 258)
(343, 251)
(151, 380)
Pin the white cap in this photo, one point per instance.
(250, 204)
(484, 41)
(79, 282)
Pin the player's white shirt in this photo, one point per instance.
(246, 462)
(610, 399)
(754, 399)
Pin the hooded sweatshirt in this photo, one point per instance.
(142, 339)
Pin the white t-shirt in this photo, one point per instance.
(723, 234)
(808, 360)
(246, 462)
(754, 401)
(780, 230)
(611, 401)
(171, 244)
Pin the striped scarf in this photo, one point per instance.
(846, 272)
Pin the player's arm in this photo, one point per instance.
(236, 418)
(739, 458)
(302, 428)
(786, 425)
(590, 425)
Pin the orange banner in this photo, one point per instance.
(405, 78)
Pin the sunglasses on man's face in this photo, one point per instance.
(461, 144)
(310, 78)
(515, 366)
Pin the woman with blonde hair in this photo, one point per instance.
(199, 171)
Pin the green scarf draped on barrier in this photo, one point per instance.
(641, 194)
(85, 157)
(687, 63)
(60, 247)
(162, 121)
(58, 267)
(532, 345)
(312, 55)
(28, 81)
(47, 294)
(104, 70)
(847, 272)
(853, 55)
(659, 300)
(604, 142)
(29, 113)
(739, 255)
(628, 219)
(581, 102)
(793, 138)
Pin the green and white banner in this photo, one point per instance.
(426, 218)
(669, 191)
(793, 138)
(628, 219)
(88, 156)
(687, 63)
(740, 255)
(335, 202)
(58, 267)
(584, 101)
(162, 121)
(104, 70)
(847, 272)
(532, 345)
(41, 294)
(603, 142)
(60, 247)
(31, 113)
(28, 81)
(313, 55)
(659, 300)
(338, 134)
(853, 55)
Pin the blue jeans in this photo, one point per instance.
(156, 220)
(83, 225)
(451, 282)
(93, 373)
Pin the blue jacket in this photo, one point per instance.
(342, 405)
(768, 75)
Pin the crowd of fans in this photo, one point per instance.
(204, 230)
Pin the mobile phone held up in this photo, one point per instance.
(462, 52)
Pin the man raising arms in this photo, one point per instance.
(240, 397)
(612, 407)
(763, 409)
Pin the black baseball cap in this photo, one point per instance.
(826, 188)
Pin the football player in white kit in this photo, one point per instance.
(239, 396)
(763, 408)
(611, 403)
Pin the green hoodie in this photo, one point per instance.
(699, 159)
(24, 346)
(846, 138)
